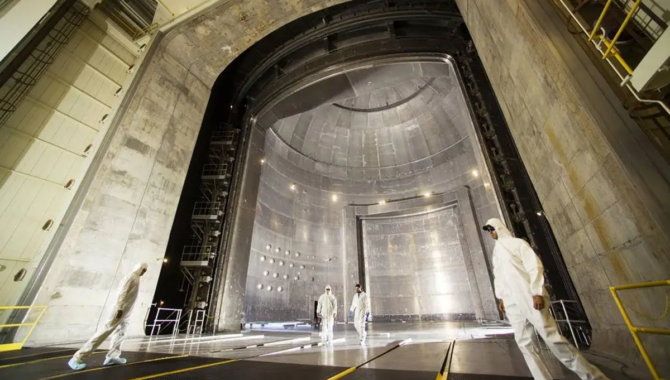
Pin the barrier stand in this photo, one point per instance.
(18, 345)
(634, 330)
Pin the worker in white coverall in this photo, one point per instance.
(326, 309)
(519, 287)
(360, 306)
(116, 324)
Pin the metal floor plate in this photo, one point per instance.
(390, 374)
(474, 376)
(58, 366)
(259, 371)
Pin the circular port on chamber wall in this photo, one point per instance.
(266, 273)
(267, 247)
(275, 275)
(272, 261)
(287, 252)
(296, 278)
(259, 286)
(262, 258)
(291, 265)
(279, 289)
(269, 288)
(281, 263)
(285, 277)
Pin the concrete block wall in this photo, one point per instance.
(43, 144)
(599, 182)
(128, 211)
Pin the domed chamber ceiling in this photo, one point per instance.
(390, 120)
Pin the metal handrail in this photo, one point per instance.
(18, 345)
(634, 330)
(591, 37)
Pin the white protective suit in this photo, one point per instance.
(519, 275)
(360, 305)
(327, 308)
(125, 300)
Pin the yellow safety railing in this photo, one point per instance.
(601, 41)
(634, 330)
(19, 345)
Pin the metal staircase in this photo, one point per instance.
(198, 258)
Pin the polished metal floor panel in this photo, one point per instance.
(387, 374)
(26, 355)
(57, 367)
(258, 371)
(426, 357)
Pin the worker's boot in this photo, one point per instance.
(114, 361)
(76, 364)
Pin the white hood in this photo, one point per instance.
(499, 227)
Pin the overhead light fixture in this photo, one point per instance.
(262, 161)
(475, 173)
(539, 213)
(259, 286)
(165, 260)
(293, 186)
(382, 202)
(427, 194)
(334, 197)
(162, 303)
(267, 247)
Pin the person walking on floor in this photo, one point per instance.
(116, 324)
(327, 310)
(360, 306)
(519, 286)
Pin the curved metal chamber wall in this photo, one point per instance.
(392, 140)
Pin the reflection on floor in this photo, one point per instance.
(392, 351)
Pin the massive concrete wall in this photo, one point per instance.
(128, 210)
(602, 184)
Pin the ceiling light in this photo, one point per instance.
(269, 288)
(382, 202)
(272, 261)
(267, 247)
(486, 185)
(287, 252)
(275, 275)
(165, 260)
(475, 173)
(539, 213)
(262, 258)
(262, 161)
(266, 273)
(279, 289)
(293, 186)
(281, 263)
(334, 197)
(427, 194)
(259, 286)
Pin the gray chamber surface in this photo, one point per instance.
(415, 267)
(388, 132)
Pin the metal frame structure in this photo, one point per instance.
(635, 330)
(167, 320)
(18, 345)
(199, 258)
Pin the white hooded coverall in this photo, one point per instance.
(125, 299)
(327, 308)
(518, 276)
(361, 306)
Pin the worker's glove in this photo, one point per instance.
(119, 314)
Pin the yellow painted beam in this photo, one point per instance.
(343, 374)
(181, 370)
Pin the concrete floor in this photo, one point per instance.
(479, 351)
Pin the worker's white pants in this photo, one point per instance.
(546, 327)
(327, 329)
(117, 328)
(359, 324)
